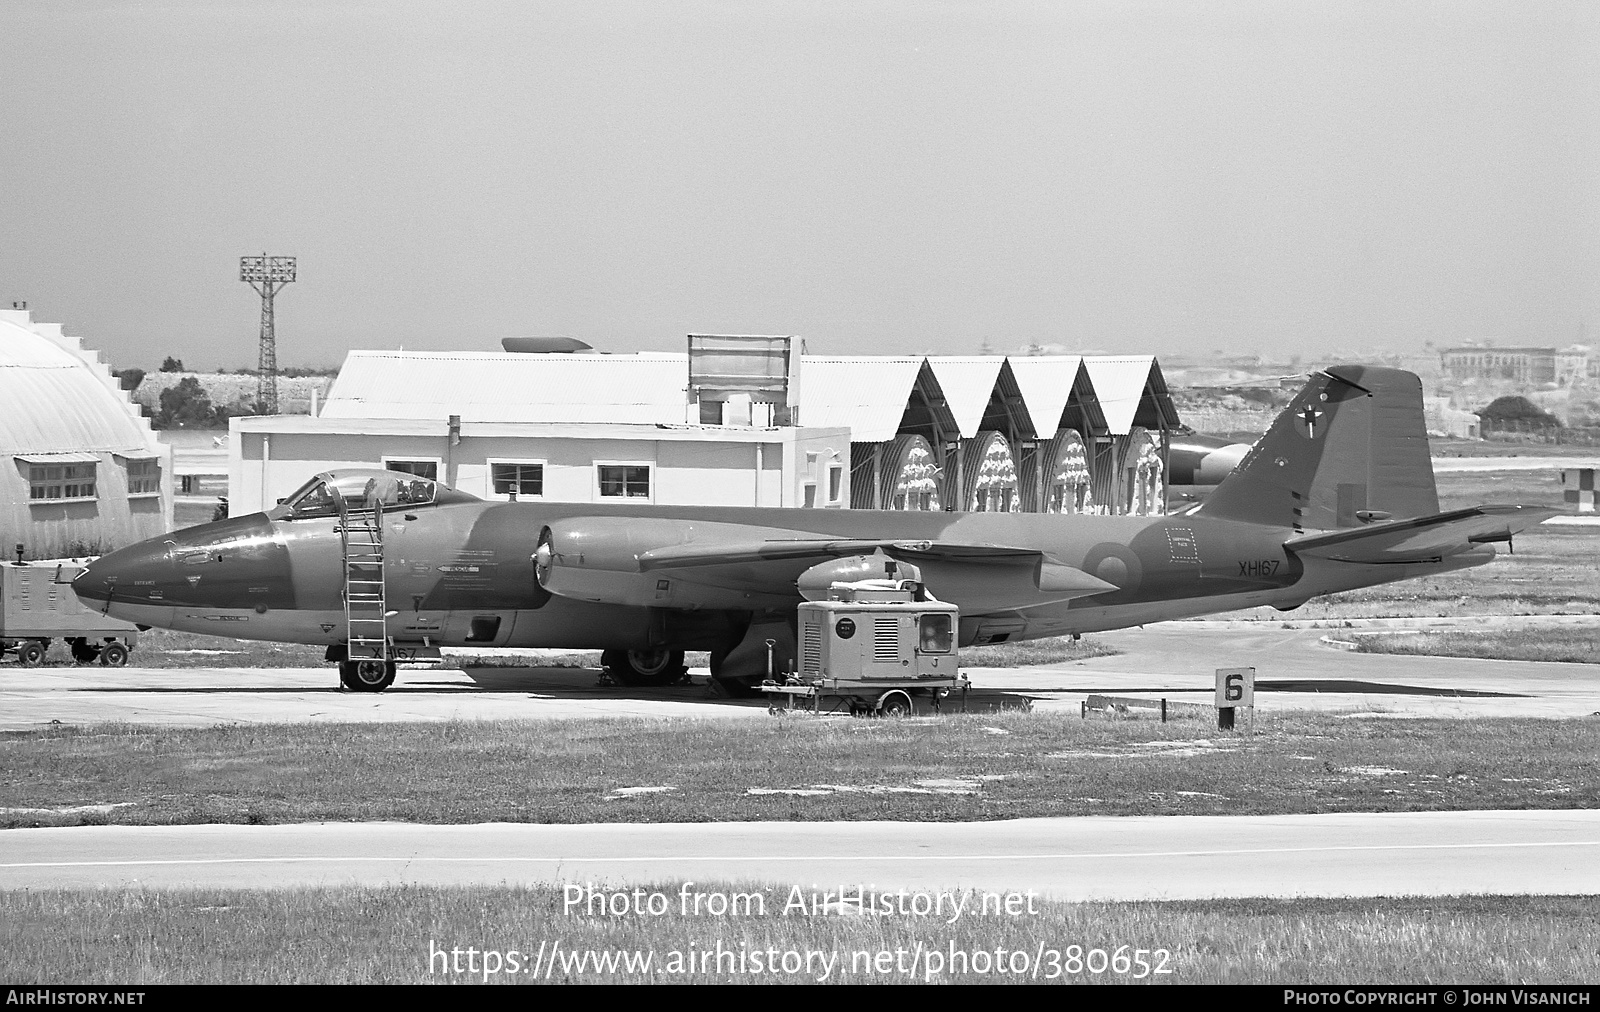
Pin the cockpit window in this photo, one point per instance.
(319, 497)
(313, 499)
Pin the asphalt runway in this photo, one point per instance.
(1531, 852)
(1091, 858)
(1296, 668)
(1305, 668)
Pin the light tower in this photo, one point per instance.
(266, 275)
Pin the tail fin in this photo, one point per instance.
(1352, 447)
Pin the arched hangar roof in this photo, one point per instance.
(52, 402)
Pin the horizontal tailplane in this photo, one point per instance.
(1421, 539)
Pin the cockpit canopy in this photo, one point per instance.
(394, 490)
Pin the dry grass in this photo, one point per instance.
(1026, 653)
(391, 935)
(952, 768)
(1580, 645)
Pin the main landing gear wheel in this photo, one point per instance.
(114, 655)
(644, 667)
(366, 676)
(31, 653)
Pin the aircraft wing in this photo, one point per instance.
(704, 554)
(1421, 538)
(673, 563)
(1038, 571)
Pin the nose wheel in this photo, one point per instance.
(367, 675)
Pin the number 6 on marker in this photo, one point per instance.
(1236, 686)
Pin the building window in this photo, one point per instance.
(624, 481)
(835, 482)
(428, 469)
(144, 477)
(515, 480)
(54, 482)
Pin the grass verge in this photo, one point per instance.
(1026, 653)
(1545, 644)
(406, 934)
(952, 768)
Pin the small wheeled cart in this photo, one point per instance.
(875, 646)
(867, 699)
(37, 605)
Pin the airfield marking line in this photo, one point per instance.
(806, 857)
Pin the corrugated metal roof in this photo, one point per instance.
(967, 382)
(438, 428)
(70, 457)
(1046, 385)
(865, 394)
(500, 387)
(1119, 383)
(52, 402)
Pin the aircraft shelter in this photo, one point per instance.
(736, 420)
(82, 472)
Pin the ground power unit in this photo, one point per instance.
(37, 605)
(878, 645)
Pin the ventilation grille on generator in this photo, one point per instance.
(811, 647)
(886, 639)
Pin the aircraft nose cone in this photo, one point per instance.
(233, 565)
(117, 574)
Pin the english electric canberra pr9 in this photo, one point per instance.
(379, 566)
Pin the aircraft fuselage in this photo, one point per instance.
(463, 573)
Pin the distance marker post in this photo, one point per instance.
(1236, 687)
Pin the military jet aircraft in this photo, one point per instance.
(377, 565)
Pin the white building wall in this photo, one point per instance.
(713, 474)
(265, 466)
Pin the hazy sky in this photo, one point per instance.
(876, 177)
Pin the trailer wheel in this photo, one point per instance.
(894, 703)
(31, 653)
(367, 675)
(114, 655)
(83, 651)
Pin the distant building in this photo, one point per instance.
(1446, 421)
(1513, 417)
(1525, 366)
(737, 420)
(81, 473)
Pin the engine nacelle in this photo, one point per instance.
(598, 559)
(815, 582)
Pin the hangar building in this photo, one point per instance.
(736, 420)
(83, 473)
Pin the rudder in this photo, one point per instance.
(1351, 447)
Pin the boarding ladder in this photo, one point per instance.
(365, 608)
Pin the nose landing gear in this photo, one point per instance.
(366, 675)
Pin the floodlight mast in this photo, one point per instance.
(267, 275)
